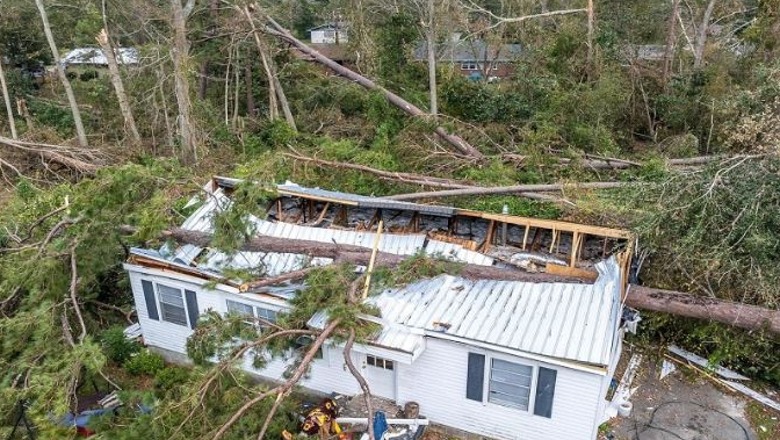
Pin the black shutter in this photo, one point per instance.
(545, 390)
(476, 377)
(151, 303)
(192, 307)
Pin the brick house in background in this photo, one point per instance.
(475, 59)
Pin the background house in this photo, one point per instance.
(330, 33)
(475, 58)
(89, 62)
(502, 359)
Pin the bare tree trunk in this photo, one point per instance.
(431, 46)
(203, 75)
(671, 37)
(119, 88)
(455, 141)
(74, 108)
(275, 90)
(701, 38)
(250, 95)
(180, 52)
(647, 298)
(7, 99)
(591, 67)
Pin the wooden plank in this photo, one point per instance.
(549, 224)
(525, 236)
(489, 238)
(752, 394)
(702, 362)
(566, 271)
(575, 245)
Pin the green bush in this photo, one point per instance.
(144, 362)
(169, 378)
(116, 347)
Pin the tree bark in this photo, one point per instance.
(682, 304)
(119, 88)
(250, 95)
(430, 36)
(507, 190)
(590, 61)
(677, 303)
(671, 38)
(275, 89)
(74, 108)
(355, 255)
(180, 54)
(701, 38)
(455, 141)
(7, 98)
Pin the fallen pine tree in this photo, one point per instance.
(740, 315)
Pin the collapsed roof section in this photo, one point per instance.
(317, 215)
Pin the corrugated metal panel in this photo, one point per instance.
(560, 320)
(457, 252)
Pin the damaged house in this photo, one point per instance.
(500, 359)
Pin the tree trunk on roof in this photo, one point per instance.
(646, 298)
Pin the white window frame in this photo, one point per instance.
(262, 312)
(470, 67)
(161, 304)
(380, 363)
(532, 379)
(329, 33)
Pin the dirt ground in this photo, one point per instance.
(684, 405)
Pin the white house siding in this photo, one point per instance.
(161, 334)
(437, 381)
(330, 372)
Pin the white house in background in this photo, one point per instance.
(502, 359)
(92, 56)
(330, 33)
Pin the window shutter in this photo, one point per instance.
(192, 307)
(476, 377)
(151, 302)
(545, 390)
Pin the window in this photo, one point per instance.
(172, 305)
(266, 314)
(378, 362)
(469, 66)
(239, 308)
(510, 384)
(330, 34)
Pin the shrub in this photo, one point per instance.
(144, 362)
(116, 346)
(169, 378)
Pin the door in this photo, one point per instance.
(380, 375)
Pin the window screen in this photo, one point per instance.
(266, 314)
(510, 384)
(239, 308)
(172, 305)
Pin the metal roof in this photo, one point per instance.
(269, 264)
(94, 56)
(575, 322)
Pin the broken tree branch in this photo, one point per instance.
(70, 158)
(516, 189)
(677, 303)
(275, 29)
(286, 387)
(354, 255)
(74, 279)
(361, 380)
